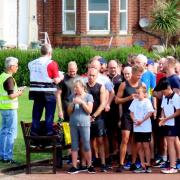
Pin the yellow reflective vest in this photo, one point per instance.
(5, 101)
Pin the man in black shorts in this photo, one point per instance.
(97, 123)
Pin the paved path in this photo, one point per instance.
(98, 176)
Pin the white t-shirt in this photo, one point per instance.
(168, 107)
(140, 110)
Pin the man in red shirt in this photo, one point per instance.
(44, 76)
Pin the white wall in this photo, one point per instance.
(1, 19)
(28, 30)
(23, 21)
(9, 21)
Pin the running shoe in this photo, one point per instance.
(103, 168)
(159, 163)
(91, 170)
(73, 170)
(140, 170)
(119, 169)
(165, 165)
(127, 165)
(133, 167)
(148, 169)
(169, 170)
(82, 169)
(178, 164)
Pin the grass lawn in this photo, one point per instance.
(24, 113)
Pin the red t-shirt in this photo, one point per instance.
(53, 70)
(159, 76)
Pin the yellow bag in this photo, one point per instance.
(67, 134)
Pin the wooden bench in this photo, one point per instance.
(31, 147)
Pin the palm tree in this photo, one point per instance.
(166, 19)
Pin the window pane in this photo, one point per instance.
(69, 4)
(123, 19)
(70, 21)
(98, 5)
(123, 5)
(98, 22)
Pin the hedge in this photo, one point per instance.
(80, 54)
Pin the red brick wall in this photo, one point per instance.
(51, 22)
(132, 16)
(81, 17)
(114, 17)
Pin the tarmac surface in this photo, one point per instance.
(46, 174)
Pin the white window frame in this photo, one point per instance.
(98, 12)
(64, 18)
(123, 11)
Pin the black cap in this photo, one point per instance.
(162, 85)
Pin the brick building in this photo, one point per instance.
(94, 22)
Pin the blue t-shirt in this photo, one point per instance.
(149, 79)
(79, 117)
(174, 81)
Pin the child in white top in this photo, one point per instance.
(170, 118)
(141, 110)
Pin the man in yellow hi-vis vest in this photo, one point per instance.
(8, 108)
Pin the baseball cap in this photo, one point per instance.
(150, 62)
(102, 61)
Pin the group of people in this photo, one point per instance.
(130, 112)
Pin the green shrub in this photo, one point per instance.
(80, 54)
(173, 51)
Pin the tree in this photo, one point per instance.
(166, 19)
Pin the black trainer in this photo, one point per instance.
(119, 168)
(73, 170)
(82, 169)
(133, 167)
(91, 170)
(103, 168)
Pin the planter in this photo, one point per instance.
(2, 43)
(35, 45)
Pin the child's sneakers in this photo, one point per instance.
(178, 164)
(127, 165)
(133, 167)
(165, 165)
(146, 169)
(158, 163)
(140, 170)
(169, 170)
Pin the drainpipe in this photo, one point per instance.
(44, 2)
